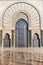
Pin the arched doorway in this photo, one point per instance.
(21, 33)
(7, 40)
(30, 11)
(36, 40)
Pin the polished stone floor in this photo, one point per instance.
(21, 58)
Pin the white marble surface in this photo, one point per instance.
(5, 3)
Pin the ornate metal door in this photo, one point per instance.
(21, 33)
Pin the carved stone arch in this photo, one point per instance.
(23, 15)
(29, 10)
(16, 17)
(23, 7)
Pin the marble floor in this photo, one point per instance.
(20, 58)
